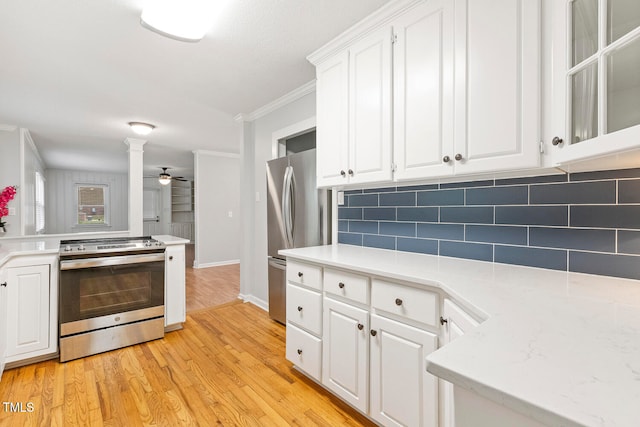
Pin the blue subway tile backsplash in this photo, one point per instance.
(584, 222)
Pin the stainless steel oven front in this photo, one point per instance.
(108, 302)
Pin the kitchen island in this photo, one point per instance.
(558, 348)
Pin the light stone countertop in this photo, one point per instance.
(171, 240)
(562, 348)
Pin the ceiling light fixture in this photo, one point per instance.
(141, 128)
(184, 20)
(164, 178)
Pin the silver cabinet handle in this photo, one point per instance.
(443, 320)
(343, 173)
(374, 332)
(341, 285)
(299, 351)
(398, 301)
(299, 308)
(360, 326)
(446, 159)
(458, 157)
(351, 172)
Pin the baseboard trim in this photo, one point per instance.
(255, 301)
(215, 264)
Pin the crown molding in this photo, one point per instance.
(8, 128)
(278, 103)
(217, 154)
(375, 20)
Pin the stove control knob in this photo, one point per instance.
(67, 248)
(147, 243)
(81, 247)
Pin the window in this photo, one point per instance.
(92, 204)
(39, 203)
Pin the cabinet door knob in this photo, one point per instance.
(443, 320)
(3, 284)
(300, 274)
(398, 301)
(374, 332)
(299, 308)
(299, 351)
(458, 157)
(360, 326)
(343, 173)
(556, 141)
(170, 257)
(350, 172)
(446, 159)
(341, 285)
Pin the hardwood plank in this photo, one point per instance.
(225, 367)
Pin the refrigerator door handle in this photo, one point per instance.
(288, 205)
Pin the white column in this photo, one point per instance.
(247, 205)
(135, 185)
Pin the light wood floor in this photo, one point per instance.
(209, 287)
(226, 367)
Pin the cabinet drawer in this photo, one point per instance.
(416, 304)
(304, 350)
(304, 274)
(304, 308)
(348, 285)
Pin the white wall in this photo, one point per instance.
(257, 150)
(9, 175)
(61, 200)
(217, 195)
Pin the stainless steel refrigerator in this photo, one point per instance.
(298, 215)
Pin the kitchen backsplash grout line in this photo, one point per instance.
(591, 236)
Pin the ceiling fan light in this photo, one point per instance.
(184, 20)
(164, 179)
(141, 128)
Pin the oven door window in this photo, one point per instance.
(100, 291)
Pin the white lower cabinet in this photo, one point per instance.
(403, 393)
(457, 323)
(345, 358)
(175, 285)
(366, 339)
(31, 315)
(305, 351)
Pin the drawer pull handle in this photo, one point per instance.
(398, 301)
(170, 257)
(299, 308)
(300, 274)
(299, 351)
(360, 326)
(3, 284)
(443, 320)
(374, 332)
(343, 173)
(341, 285)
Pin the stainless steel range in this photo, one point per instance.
(111, 294)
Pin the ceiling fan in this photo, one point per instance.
(165, 178)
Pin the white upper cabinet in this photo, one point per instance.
(423, 91)
(466, 82)
(354, 113)
(497, 85)
(332, 131)
(595, 95)
(370, 108)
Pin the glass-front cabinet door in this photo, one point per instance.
(596, 78)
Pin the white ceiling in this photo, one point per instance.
(74, 72)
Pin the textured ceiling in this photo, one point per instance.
(74, 72)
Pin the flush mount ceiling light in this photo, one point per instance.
(164, 178)
(141, 128)
(184, 20)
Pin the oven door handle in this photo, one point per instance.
(76, 264)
